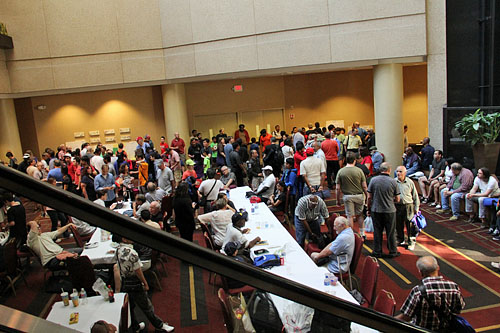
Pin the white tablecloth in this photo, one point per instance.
(298, 266)
(96, 309)
(104, 253)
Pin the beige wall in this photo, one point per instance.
(344, 95)
(115, 42)
(139, 109)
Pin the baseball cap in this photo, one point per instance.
(309, 151)
(267, 167)
(26, 156)
(189, 162)
(239, 216)
(67, 155)
(231, 248)
(373, 148)
(139, 138)
(148, 136)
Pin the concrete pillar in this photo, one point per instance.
(388, 102)
(9, 132)
(175, 111)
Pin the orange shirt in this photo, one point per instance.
(143, 172)
(188, 173)
(265, 141)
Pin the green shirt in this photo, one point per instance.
(351, 180)
(213, 146)
(456, 183)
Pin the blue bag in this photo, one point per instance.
(267, 260)
(419, 220)
(460, 325)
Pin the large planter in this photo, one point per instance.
(486, 155)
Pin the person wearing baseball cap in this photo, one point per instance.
(236, 233)
(189, 170)
(313, 171)
(266, 188)
(141, 144)
(147, 139)
(23, 166)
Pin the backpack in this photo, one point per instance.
(263, 313)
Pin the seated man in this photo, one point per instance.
(227, 178)
(146, 219)
(341, 247)
(223, 195)
(235, 233)
(310, 212)
(459, 185)
(219, 219)
(154, 193)
(82, 227)
(43, 244)
(411, 162)
(231, 250)
(277, 202)
(266, 188)
(156, 213)
(139, 205)
(437, 171)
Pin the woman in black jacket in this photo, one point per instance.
(184, 212)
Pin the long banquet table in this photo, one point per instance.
(298, 266)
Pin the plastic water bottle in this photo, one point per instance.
(326, 282)
(83, 296)
(227, 193)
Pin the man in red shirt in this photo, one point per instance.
(163, 145)
(178, 145)
(71, 166)
(242, 134)
(331, 149)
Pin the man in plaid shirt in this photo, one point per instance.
(422, 310)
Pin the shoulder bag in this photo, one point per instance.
(203, 200)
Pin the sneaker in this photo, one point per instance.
(425, 200)
(411, 246)
(496, 232)
(496, 238)
(438, 206)
(495, 265)
(443, 211)
(142, 326)
(166, 328)
(491, 230)
(432, 204)
(454, 218)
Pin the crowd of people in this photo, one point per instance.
(293, 173)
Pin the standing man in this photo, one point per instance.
(228, 148)
(178, 145)
(313, 171)
(242, 134)
(310, 212)
(431, 303)
(106, 182)
(406, 209)
(166, 179)
(273, 156)
(383, 192)
(141, 144)
(331, 149)
(352, 182)
(194, 153)
(237, 166)
(174, 163)
(254, 170)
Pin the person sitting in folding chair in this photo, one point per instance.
(338, 250)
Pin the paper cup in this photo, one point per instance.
(75, 299)
(65, 298)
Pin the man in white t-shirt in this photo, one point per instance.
(313, 171)
(266, 188)
(218, 219)
(97, 161)
(485, 186)
(236, 233)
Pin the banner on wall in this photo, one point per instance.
(336, 123)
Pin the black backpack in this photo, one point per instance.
(263, 314)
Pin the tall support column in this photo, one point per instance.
(388, 102)
(175, 111)
(9, 131)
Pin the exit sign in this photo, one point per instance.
(237, 88)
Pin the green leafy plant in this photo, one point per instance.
(478, 127)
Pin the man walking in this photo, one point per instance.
(406, 209)
(352, 182)
(331, 149)
(432, 303)
(383, 192)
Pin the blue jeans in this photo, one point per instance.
(455, 202)
(301, 231)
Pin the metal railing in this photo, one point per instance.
(107, 219)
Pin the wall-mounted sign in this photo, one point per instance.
(125, 130)
(93, 133)
(109, 131)
(95, 140)
(79, 134)
(125, 137)
(110, 139)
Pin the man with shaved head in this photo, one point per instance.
(432, 303)
(406, 209)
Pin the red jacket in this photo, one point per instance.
(237, 135)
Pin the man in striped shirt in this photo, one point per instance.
(432, 304)
(310, 212)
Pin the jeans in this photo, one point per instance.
(141, 299)
(402, 222)
(383, 221)
(455, 202)
(469, 206)
(55, 217)
(301, 231)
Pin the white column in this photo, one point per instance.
(388, 102)
(175, 111)
(9, 132)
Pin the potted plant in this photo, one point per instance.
(482, 130)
